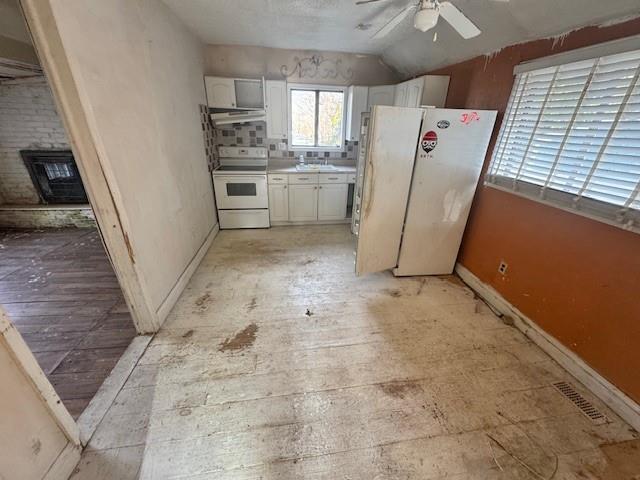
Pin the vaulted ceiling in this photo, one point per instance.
(332, 25)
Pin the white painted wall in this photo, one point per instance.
(255, 62)
(34, 441)
(139, 74)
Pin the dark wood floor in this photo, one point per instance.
(59, 289)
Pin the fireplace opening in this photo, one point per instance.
(55, 176)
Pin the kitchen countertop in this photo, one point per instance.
(292, 169)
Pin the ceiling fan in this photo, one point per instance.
(427, 17)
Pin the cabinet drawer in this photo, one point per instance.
(278, 178)
(333, 178)
(298, 179)
(351, 178)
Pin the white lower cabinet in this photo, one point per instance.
(303, 203)
(308, 198)
(332, 201)
(279, 203)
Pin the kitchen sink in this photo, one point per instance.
(315, 168)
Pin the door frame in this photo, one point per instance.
(85, 143)
(67, 460)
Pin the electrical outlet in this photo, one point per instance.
(502, 268)
(282, 146)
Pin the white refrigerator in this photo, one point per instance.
(417, 173)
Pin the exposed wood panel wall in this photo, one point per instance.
(577, 278)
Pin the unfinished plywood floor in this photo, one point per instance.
(278, 363)
(60, 291)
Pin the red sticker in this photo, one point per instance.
(429, 141)
(468, 118)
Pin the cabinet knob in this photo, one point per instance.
(319, 187)
(285, 187)
(315, 188)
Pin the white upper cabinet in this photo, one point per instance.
(234, 93)
(381, 95)
(400, 97)
(428, 90)
(409, 93)
(414, 92)
(434, 92)
(356, 104)
(221, 92)
(276, 108)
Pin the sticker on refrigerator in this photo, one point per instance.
(443, 124)
(468, 118)
(429, 141)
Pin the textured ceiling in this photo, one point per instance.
(331, 25)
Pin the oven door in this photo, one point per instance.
(241, 191)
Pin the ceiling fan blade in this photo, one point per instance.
(394, 22)
(362, 2)
(465, 27)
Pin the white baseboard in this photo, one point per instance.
(65, 464)
(96, 410)
(170, 300)
(617, 400)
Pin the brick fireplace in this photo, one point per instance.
(29, 122)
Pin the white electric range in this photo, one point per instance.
(240, 184)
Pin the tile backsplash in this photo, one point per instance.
(209, 134)
(253, 134)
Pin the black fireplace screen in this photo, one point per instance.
(55, 176)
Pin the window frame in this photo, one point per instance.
(317, 88)
(623, 217)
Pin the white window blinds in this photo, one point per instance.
(571, 138)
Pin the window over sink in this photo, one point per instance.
(316, 117)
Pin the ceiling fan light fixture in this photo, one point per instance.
(426, 19)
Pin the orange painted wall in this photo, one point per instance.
(577, 278)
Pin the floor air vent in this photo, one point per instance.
(579, 401)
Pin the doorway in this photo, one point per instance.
(57, 283)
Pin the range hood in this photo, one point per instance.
(242, 116)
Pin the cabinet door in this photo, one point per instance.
(356, 105)
(276, 109)
(221, 92)
(414, 92)
(435, 90)
(332, 201)
(303, 203)
(278, 203)
(381, 95)
(400, 97)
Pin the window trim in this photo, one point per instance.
(622, 217)
(317, 88)
(604, 49)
